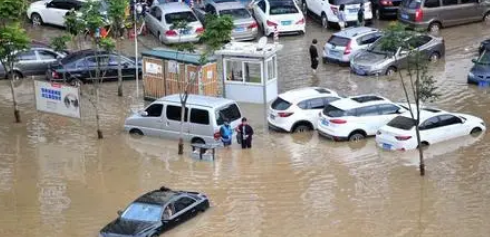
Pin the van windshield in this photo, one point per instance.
(412, 4)
(228, 113)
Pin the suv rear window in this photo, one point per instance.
(280, 104)
(338, 41)
(402, 122)
(171, 18)
(282, 7)
(334, 112)
(412, 4)
(230, 113)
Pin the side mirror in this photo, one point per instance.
(143, 113)
(119, 213)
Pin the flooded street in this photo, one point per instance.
(58, 180)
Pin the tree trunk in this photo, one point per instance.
(182, 117)
(119, 69)
(421, 153)
(14, 100)
(97, 117)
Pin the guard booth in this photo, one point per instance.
(166, 72)
(250, 71)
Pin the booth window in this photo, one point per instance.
(234, 71)
(253, 72)
(271, 69)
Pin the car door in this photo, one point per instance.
(471, 10)
(431, 130)
(453, 126)
(200, 123)
(259, 11)
(56, 11)
(27, 62)
(185, 208)
(46, 57)
(311, 108)
(368, 119)
(172, 122)
(450, 12)
(153, 19)
(153, 122)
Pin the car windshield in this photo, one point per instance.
(412, 4)
(484, 58)
(236, 14)
(282, 7)
(402, 122)
(143, 212)
(230, 113)
(334, 112)
(171, 18)
(280, 104)
(378, 48)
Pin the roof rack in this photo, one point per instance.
(366, 98)
(323, 90)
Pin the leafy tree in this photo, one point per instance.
(12, 40)
(75, 26)
(418, 85)
(117, 16)
(59, 44)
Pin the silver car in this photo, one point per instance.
(378, 61)
(343, 45)
(161, 18)
(245, 27)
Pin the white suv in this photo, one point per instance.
(298, 110)
(357, 117)
(343, 45)
(328, 10)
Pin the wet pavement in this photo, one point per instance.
(57, 179)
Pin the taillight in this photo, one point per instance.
(55, 75)
(171, 33)
(403, 138)
(302, 21)
(386, 3)
(270, 23)
(419, 14)
(337, 121)
(347, 48)
(199, 30)
(253, 25)
(284, 115)
(217, 135)
(334, 10)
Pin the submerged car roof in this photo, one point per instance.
(172, 7)
(199, 100)
(355, 31)
(306, 92)
(157, 196)
(228, 5)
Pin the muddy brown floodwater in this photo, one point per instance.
(57, 180)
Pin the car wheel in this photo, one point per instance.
(302, 129)
(390, 71)
(475, 131)
(76, 82)
(357, 136)
(324, 21)
(36, 19)
(135, 133)
(16, 78)
(434, 57)
(434, 27)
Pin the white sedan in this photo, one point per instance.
(284, 15)
(53, 12)
(435, 126)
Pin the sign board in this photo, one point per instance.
(173, 66)
(57, 99)
(153, 68)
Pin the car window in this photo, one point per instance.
(142, 212)
(113, 60)
(157, 13)
(334, 112)
(230, 113)
(387, 109)
(171, 18)
(183, 203)
(62, 5)
(261, 5)
(338, 41)
(430, 123)
(317, 103)
(367, 111)
(411, 4)
(469, 1)
(200, 116)
(345, 2)
(402, 122)
(432, 3)
(280, 104)
(449, 2)
(236, 14)
(168, 212)
(173, 113)
(46, 55)
(82, 63)
(28, 55)
(210, 9)
(282, 7)
(154, 110)
(446, 120)
(419, 41)
(368, 39)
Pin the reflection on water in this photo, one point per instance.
(56, 179)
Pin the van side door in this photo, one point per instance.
(471, 10)
(172, 126)
(200, 124)
(451, 12)
(152, 123)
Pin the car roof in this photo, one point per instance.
(306, 92)
(355, 31)
(158, 196)
(225, 5)
(353, 102)
(81, 54)
(198, 100)
(426, 112)
(172, 7)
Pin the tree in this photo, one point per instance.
(418, 85)
(75, 26)
(12, 40)
(59, 44)
(117, 16)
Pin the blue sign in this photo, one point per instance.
(51, 94)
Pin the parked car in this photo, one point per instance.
(203, 119)
(328, 11)
(480, 72)
(245, 26)
(377, 60)
(343, 45)
(385, 8)
(33, 61)
(435, 126)
(436, 14)
(53, 12)
(155, 212)
(80, 67)
(161, 18)
(356, 117)
(298, 110)
(284, 15)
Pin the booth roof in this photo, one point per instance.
(250, 50)
(168, 54)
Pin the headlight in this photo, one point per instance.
(470, 74)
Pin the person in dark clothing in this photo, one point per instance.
(360, 15)
(246, 132)
(314, 55)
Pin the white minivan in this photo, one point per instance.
(204, 116)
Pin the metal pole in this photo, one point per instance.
(264, 92)
(136, 49)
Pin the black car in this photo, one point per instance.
(480, 72)
(80, 67)
(385, 8)
(156, 212)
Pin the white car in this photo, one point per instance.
(357, 117)
(435, 126)
(298, 110)
(328, 11)
(53, 12)
(285, 15)
(161, 18)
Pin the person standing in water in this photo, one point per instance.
(314, 56)
(226, 133)
(360, 15)
(246, 132)
(342, 20)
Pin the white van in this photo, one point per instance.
(203, 118)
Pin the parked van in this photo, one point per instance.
(203, 118)
(435, 14)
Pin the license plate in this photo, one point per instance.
(325, 122)
(387, 146)
(186, 32)
(239, 29)
(272, 116)
(405, 16)
(286, 23)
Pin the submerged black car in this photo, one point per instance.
(483, 45)
(80, 67)
(156, 212)
(480, 72)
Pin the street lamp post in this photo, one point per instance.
(136, 48)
